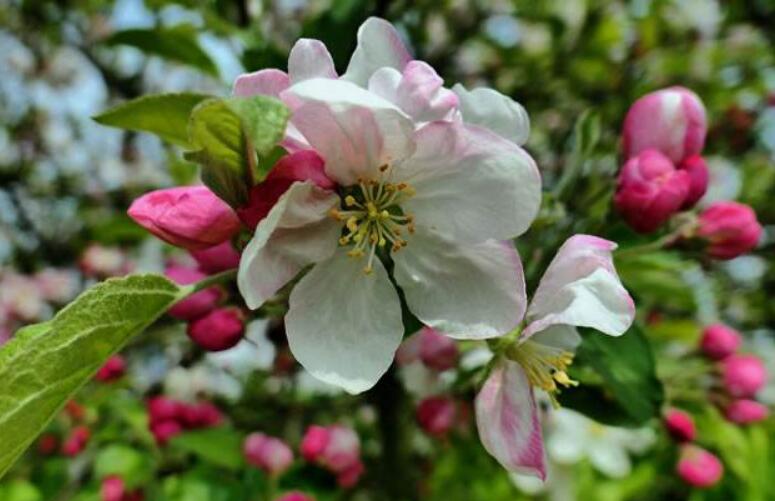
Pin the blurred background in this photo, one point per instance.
(66, 181)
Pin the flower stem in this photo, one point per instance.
(224, 276)
(656, 245)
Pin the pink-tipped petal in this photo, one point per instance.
(379, 45)
(310, 58)
(269, 82)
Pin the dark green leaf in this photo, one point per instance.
(165, 115)
(45, 364)
(176, 44)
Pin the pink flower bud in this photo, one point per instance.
(746, 411)
(219, 330)
(719, 341)
(743, 375)
(698, 467)
(113, 369)
(48, 444)
(197, 304)
(670, 120)
(192, 217)
(268, 453)
(650, 190)
(163, 431)
(295, 496)
(437, 415)
(163, 409)
(201, 415)
(314, 443)
(343, 449)
(680, 425)
(730, 228)
(304, 165)
(437, 351)
(76, 441)
(697, 169)
(112, 489)
(350, 475)
(218, 258)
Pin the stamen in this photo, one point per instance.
(545, 366)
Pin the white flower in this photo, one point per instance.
(419, 186)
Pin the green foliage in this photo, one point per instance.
(134, 467)
(226, 134)
(165, 115)
(45, 364)
(178, 44)
(221, 446)
(618, 379)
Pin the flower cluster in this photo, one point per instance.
(168, 418)
(336, 448)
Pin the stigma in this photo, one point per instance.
(373, 218)
(545, 366)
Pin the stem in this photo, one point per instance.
(395, 475)
(656, 245)
(224, 276)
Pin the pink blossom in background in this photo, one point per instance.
(746, 411)
(698, 467)
(730, 229)
(718, 341)
(743, 375)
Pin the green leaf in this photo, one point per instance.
(226, 134)
(221, 446)
(165, 115)
(628, 393)
(131, 465)
(45, 364)
(175, 44)
(586, 132)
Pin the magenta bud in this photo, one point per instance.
(730, 228)
(719, 341)
(314, 443)
(348, 477)
(697, 169)
(437, 351)
(437, 415)
(670, 120)
(191, 217)
(680, 425)
(343, 449)
(163, 409)
(698, 467)
(746, 411)
(743, 375)
(112, 489)
(48, 444)
(113, 369)
(76, 441)
(163, 431)
(219, 330)
(218, 258)
(304, 165)
(198, 303)
(650, 190)
(267, 453)
(295, 496)
(201, 415)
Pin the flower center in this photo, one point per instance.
(544, 365)
(373, 217)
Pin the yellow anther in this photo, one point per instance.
(367, 270)
(384, 214)
(344, 240)
(352, 224)
(350, 201)
(382, 242)
(355, 253)
(334, 213)
(562, 378)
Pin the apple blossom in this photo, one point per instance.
(579, 288)
(670, 120)
(112, 488)
(718, 341)
(437, 415)
(198, 303)
(113, 369)
(743, 375)
(697, 170)
(698, 467)
(217, 258)
(218, 330)
(746, 411)
(730, 228)
(680, 425)
(267, 453)
(76, 441)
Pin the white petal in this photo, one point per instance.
(268, 82)
(354, 130)
(310, 59)
(344, 326)
(495, 111)
(581, 288)
(609, 458)
(295, 233)
(379, 45)
(508, 423)
(419, 91)
(475, 291)
(470, 183)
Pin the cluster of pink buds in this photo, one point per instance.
(113, 370)
(663, 136)
(168, 418)
(75, 441)
(696, 466)
(336, 448)
(113, 488)
(270, 454)
(741, 376)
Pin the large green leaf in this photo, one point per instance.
(618, 376)
(45, 364)
(229, 137)
(176, 44)
(165, 115)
